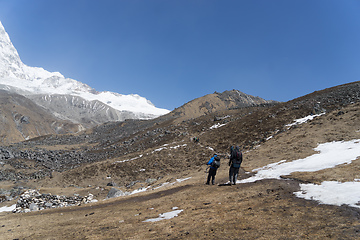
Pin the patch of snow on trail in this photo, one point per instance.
(164, 216)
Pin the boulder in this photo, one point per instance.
(114, 192)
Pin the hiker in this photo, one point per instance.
(214, 163)
(234, 163)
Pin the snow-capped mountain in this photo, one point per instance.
(44, 87)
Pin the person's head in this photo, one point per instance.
(237, 148)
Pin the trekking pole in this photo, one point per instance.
(206, 171)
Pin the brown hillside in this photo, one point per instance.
(216, 102)
(21, 119)
(156, 153)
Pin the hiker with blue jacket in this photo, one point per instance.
(214, 163)
(234, 163)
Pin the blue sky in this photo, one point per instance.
(173, 51)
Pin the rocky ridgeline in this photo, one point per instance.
(32, 200)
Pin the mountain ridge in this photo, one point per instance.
(211, 103)
(34, 80)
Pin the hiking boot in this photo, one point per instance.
(207, 183)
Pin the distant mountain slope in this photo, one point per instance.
(217, 102)
(17, 77)
(21, 119)
(79, 110)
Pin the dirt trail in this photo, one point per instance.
(266, 209)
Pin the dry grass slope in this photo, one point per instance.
(265, 209)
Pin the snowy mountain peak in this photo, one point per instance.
(10, 62)
(34, 80)
(11, 65)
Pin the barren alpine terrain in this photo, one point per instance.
(148, 177)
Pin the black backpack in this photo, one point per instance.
(237, 158)
(216, 162)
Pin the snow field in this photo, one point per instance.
(329, 155)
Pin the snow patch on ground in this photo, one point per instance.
(331, 192)
(8, 208)
(164, 216)
(182, 179)
(210, 148)
(164, 147)
(128, 160)
(139, 190)
(329, 155)
(217, 125)
(170, 184)
(304, 119)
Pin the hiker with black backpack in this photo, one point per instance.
(234, 163)
(214, 163)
